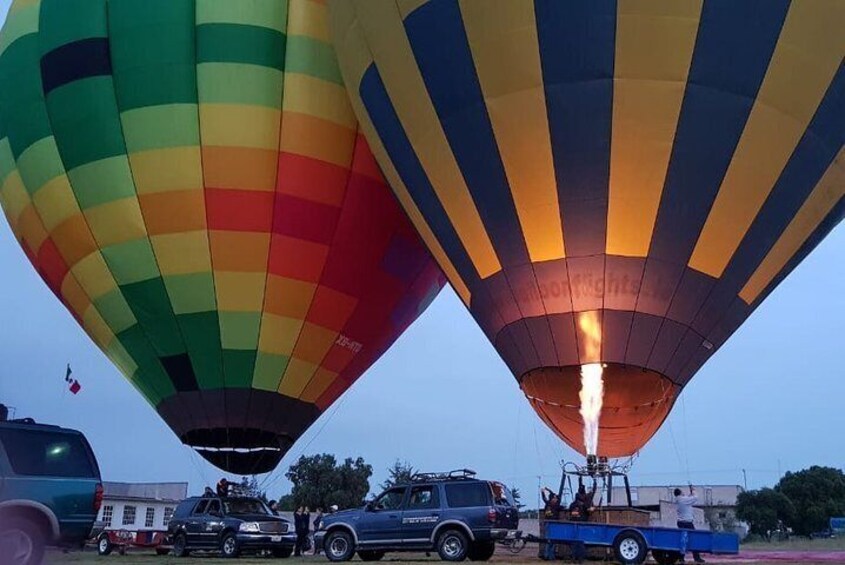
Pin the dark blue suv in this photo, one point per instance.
(453, 513)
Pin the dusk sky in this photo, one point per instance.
(769, 401)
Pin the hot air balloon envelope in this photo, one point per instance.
(614, 182)
(188, 178)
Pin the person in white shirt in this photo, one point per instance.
(684, 505)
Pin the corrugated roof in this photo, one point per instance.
(146, 491)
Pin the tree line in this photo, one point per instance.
(320, 481)
(804, 501)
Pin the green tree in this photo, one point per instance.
(249, 487)
(517, 497)
(817, 493)
(398, 474)
(761, 510)
(318, 481)
(286, 503)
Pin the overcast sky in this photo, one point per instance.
(771, 400)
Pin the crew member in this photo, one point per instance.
(684, 505)
(223, 487)
(551, 512)
(318, 522)
(579, 511)
(302, 526)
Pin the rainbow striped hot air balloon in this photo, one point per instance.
(608, 182)
(188, 178)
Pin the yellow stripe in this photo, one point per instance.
(654, 45)
(382, 25)
(349, 37)
(512, 78)
(239, 125)
(315, 97)
(808, 54)
(408, 6)
(827, 193)
(308, 19)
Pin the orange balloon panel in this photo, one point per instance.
(636, 401)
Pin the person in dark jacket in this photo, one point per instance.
(302, 525)
(318, 522)
(551, 512)
(579, 511)
(223, 487)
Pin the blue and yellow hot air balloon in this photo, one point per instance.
(615, 182)
(188, 178)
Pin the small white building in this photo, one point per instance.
(139, 506)
(716, 508)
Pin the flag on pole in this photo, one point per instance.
(73, 384)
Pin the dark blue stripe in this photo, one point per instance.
(442, 52)
(75, 61)
(812, 157)
(577, 45)
(732, 52)
(398, 147)
(825, 227)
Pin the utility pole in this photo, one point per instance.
(744, 480)
(539, 498)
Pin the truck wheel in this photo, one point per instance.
(481, 551)
(371, 555)
(339, 546)
(180, 546)
(21, 541)
(630, 548)
(664, 557)
(229, 546)
(104, 545)
(452, 545)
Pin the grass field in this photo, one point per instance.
(798, 544)
(525, 558)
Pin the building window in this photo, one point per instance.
(128, 515)
(108, 511)
(168, 513)
(149, 519)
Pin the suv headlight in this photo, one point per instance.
(249, 527)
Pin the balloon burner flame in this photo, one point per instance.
(592, 396)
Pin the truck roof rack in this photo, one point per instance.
(457, 474)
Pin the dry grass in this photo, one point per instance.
(148, 558)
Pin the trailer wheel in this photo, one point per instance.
(629, 548)
(104, 546)
(664, 557)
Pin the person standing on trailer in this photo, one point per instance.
(579, 511)
(551, 512)
(684, 506)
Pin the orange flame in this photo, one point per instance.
(592, 383)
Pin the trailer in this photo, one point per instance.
(122, 540)
(631, 544)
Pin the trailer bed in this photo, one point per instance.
(632, 543)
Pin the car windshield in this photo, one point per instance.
(502, 494)
(245, 506)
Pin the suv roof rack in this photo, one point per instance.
(457, 474)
